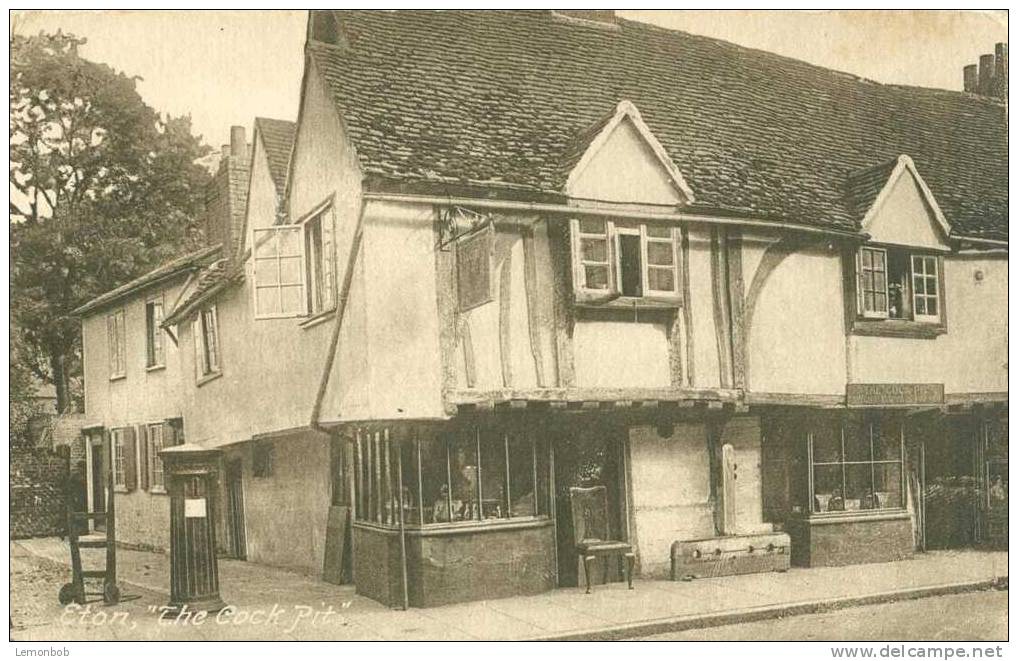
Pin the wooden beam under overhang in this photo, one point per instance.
(590, 399)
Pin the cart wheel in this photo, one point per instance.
(69, 593)
(111, 594)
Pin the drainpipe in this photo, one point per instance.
(344, 295)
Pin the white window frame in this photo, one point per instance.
(155, 461)
(326, 250)
(258, 238)
(926, 296)
(613, 231)
(116, 338)
(154, 335)
(117, 441)
(645, 241)
(861, 292)
(204, 366)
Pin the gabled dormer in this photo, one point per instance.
(897, 285)
(618, 159)
(620, 167)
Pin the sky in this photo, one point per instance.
(227, 67)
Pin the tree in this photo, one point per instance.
(102, 190)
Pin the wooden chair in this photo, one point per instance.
(590, 530)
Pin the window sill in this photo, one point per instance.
(120, 489)
(460, 527)
(898, 328)
(212, 376)
(157, 491)
(118, 377)
(627, 302)
(155, 368)
(825, 518)
(317, 319)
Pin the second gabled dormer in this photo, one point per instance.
(896, 286)
(619, 165)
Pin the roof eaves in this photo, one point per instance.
(167, 271)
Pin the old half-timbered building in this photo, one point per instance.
(503, 255)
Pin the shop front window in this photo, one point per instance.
(856, 464)
(471, 475)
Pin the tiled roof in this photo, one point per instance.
(277, 137)
(499, 99)
(172, 268)
(865, 185)
(212, 279)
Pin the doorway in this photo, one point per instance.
(97, 490)
(237, 544)
(586, 455)
(950, 503)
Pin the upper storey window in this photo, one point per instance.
(897, 284)
(295, 267)
(207, 353)
(117, 340)
(628, 260)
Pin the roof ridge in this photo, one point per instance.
(771, 54)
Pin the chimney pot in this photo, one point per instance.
(986, 74)
(1000, 71)
(971, 76)
(238, 143)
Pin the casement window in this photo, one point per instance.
(321, 264)
(897, 284)
(475, 476)
(205, 331)
(156, 475)
(620, 258)
(856, 464)
(125, 471)
(295, 267)
(117, 340)
(154, 348)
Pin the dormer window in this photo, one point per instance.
(624, 260)
(898, 285)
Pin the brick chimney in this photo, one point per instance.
(1000, 71)
(985, 74)
(971, 74)
(989, 78)
(226, 195)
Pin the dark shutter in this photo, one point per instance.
(130, 459)
(143, 451)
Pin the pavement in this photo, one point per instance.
(276, 604)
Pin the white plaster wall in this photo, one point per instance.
(796, 341)
(401, 312)
(285, 515)
(905, 219)
(670, 491)
(144, 394)
(625, 169)
(971, 357)
(620, 354)
(262, 200)
(706, 368)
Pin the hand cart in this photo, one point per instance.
(75, 590)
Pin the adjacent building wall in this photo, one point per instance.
(144, 396)
(285, 513)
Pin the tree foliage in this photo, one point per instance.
(102, 190)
